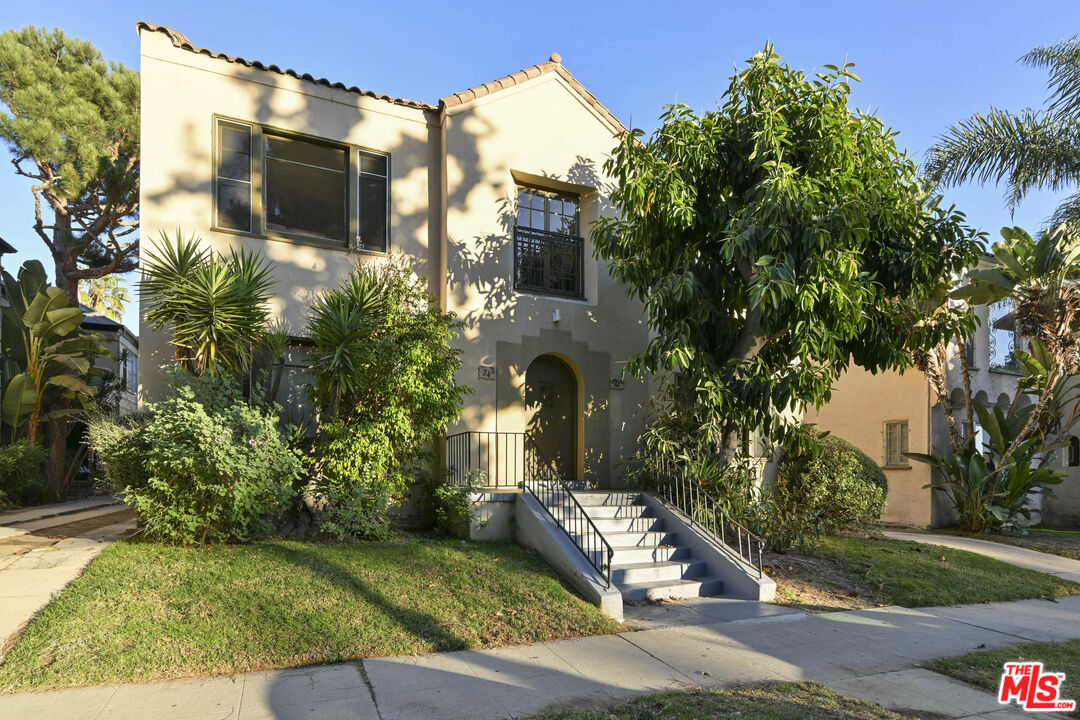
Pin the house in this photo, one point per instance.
(122, 362)
(487, 193)
(889, 414)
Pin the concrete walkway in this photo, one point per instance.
(1065, 568)
(30, 580)
(873, 654)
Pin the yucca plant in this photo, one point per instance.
(341, 323)
(216, 306)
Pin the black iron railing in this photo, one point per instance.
(498, 458)
(548, 262)
(673, 483)
(543, 482)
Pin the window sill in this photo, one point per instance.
(896, 467)
(291, 239)
(538, 292)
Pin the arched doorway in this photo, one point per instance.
(551, 403)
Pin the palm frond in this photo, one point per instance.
(1062, 60)
(1032, 150)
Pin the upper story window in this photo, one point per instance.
(549, 253)
(1003, 338)
(300, 189)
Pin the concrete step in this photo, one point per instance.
(640, 538)
(637, 554)
(644, 572)
(605, 497)
(638, 524)
(671, 589)
(616, 511)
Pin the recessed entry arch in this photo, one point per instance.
(554, 398)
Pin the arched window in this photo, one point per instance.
(1074, 451)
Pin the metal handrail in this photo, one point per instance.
(707, 514)
(499, 456)
(552, 492)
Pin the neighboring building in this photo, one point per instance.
(889, 414)
(488, 194)
(122, 362)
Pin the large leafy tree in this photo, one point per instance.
(774, 241)
(1029, 150)
(71, 122)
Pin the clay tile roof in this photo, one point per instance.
(548, 66)
(180, 40)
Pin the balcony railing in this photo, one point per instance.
(548, 263)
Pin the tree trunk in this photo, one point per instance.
(63, 257)
(56, 436)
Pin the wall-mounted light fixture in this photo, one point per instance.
(555, 316)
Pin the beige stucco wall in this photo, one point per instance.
(452, 198)
(861, 404)
(543, 133)
(181, 94)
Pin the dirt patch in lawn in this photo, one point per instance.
(816, 584)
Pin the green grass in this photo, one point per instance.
(984, 668)
(914, 574)
(143, 611)
(787, 701)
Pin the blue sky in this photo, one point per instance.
(924, 65)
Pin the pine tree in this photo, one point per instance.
(71, 122)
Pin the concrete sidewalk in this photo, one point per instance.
(868, 653)
(1063, 567)
(28, 582)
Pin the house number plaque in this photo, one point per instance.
(486, 372)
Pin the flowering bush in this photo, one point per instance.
(204, 465)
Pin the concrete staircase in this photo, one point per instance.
(648, 563)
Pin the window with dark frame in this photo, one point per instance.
(896, 444)
(548, 250)
(1074, 451)
(129, 371)
(374, 205)
(305, 188)
(234, 176)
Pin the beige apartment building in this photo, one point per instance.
(488, 194)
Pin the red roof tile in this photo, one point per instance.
(180, 40)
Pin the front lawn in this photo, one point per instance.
(847, 572)
(786, 701)
(144, 611)
(1065, 543)
(984, 668)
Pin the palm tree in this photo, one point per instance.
(105, 295)
(1035, 149)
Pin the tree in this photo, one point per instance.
(774, 241)
(1030, 150)
(990, 485)
(50, 356)
(105, 295)
(72, 126)
(216, 306)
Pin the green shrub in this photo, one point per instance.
(453, 508)
(201, 466)
(21, 481)
(383, 368)
(841, 486)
